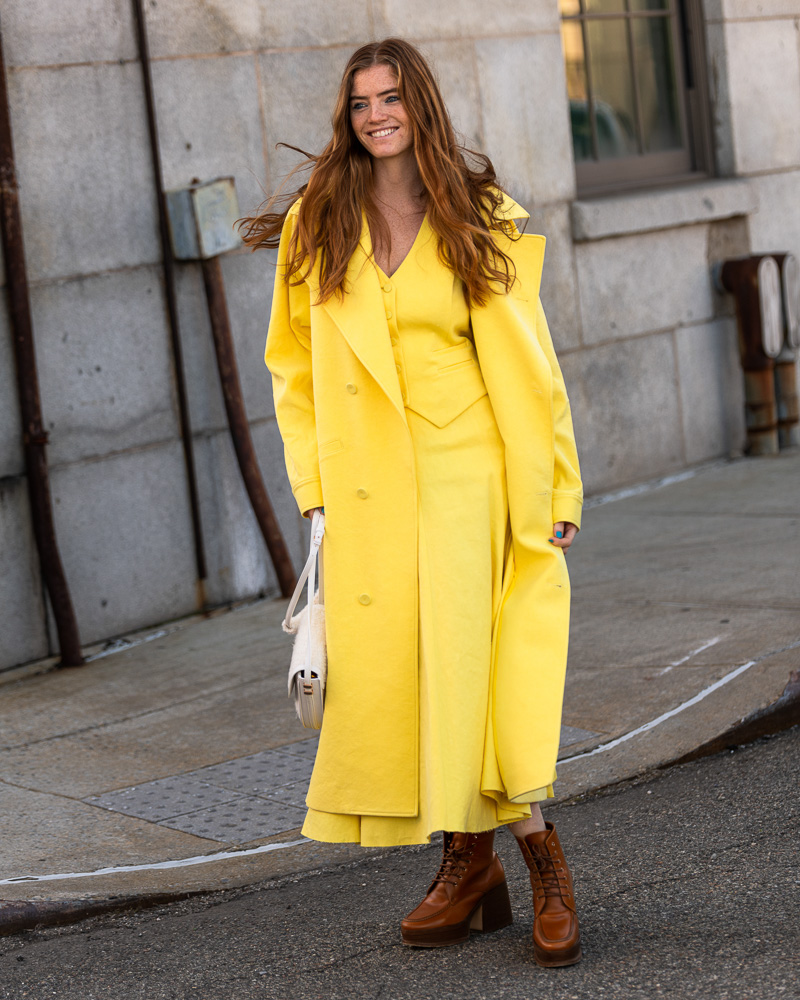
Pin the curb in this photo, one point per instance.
(16, 916)
(775, 718)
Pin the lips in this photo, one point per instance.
(381, 133)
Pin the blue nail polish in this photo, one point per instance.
(559, 534)
(550, 540)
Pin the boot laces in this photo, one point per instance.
(553, 879)
(454, 864)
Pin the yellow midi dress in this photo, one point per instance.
(465, 556)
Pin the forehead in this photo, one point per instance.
(374, 80)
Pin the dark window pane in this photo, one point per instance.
(612, 88)
(605, 6)
(658, 90)
(575, 60)
(649, 4)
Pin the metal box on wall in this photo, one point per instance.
(202, 217)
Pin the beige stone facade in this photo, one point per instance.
(648, 346)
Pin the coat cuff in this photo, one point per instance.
(567, 507)
(308, 495)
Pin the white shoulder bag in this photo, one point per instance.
(309, 667)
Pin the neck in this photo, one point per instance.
(397, 179)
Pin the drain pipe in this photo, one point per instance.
(240, 428)
(172, 305)
(786, 362)
(34, 436)
(202, 218)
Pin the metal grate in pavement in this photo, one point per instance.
(259, 774)
(304, 748)
(293, 795)
(239, 800)
(236, 801)
(247, 818)
(164, 798)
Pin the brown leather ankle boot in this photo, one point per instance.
(556, 936)
(469, 892)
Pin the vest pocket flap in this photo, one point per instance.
(441, 395)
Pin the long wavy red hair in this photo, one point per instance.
(462, 200)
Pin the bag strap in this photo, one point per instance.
(309, 571)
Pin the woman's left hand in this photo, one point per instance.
(564, 533)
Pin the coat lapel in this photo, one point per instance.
(360, 315)
(361, 318)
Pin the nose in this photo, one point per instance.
(377, 113)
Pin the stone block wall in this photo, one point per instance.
(648, 347)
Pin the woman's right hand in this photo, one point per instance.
(310, 513)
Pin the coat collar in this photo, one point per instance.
(361, 318)
(509, 209)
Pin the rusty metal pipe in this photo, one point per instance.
(172, 305)
(742, 278)
(786, 396)
(34, 436)
(788, 402)
(240, 428)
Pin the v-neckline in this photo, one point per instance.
(389, 277)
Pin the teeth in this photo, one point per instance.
(384, 131)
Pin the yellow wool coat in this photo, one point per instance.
(341, 415)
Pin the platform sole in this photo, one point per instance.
(547, 960)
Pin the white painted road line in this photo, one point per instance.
(200, 859)
(679, 708)
(694, 652)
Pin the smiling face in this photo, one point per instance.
(377, 115)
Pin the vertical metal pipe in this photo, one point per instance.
(34, 436)
(172, 305)
(788, 402)
(240, 429)
(740, 277)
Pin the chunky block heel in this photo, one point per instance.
(468, 893)
(494, 912)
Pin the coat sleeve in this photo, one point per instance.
(288, 357)
(567, 486)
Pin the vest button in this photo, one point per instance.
(387, 287)
(351, 388)
(364, 599)
(361, 492)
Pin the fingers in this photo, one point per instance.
(564, 533)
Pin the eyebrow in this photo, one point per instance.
(383, 93)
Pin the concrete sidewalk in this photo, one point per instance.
(686, 620)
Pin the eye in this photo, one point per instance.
(357, 106)
(393, 97)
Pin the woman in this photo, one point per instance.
(420, 401)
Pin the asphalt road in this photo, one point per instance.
(687, 882)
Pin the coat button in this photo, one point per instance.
(351, 388)
(389, 313)
(361, 492)
(364, 599)
(387, 287)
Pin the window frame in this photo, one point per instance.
(694, 160)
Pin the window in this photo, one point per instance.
(637, 93)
